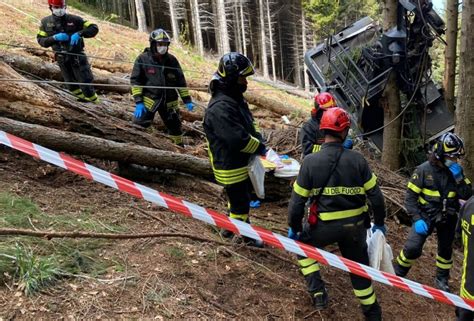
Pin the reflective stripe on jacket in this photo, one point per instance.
(467, 226)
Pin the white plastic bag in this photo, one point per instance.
(289, 169)
(257, 176)
(380, 252)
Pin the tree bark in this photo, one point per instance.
(222, 26)
(464, 110)
(174, 21)
(80, 144)
(305, 48)
(141, 15)
(197, 26)
(450, 57)
(391, 102)
(133, 13)
(263, 40)
(270, 33)
(242, 22)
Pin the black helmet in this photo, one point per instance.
(159, 35)
(232, 65)
(450, 145)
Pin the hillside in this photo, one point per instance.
(173, 277)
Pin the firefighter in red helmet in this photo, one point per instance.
(64, 33)
(338, 212)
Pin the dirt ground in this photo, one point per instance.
(170, 278)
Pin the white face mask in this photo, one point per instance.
(59, 12)
(162, 49)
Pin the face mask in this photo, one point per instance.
(242, 87)
(161, 49)
(448, 162)
(59, 12)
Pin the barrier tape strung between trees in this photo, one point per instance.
(220, 220)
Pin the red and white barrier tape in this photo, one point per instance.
(223, 221)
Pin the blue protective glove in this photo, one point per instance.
(421, 227)
(456, 170)
(381, 228)
(61, 37)
(140, 110)
(190, 106)
(75, 39)
(292, 235)
(254, 204)
(348, 143)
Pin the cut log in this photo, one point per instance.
(105, 149)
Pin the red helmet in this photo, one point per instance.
(57, 3)
(335, 119)
(324, 100)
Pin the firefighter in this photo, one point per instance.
(64, 33)
(311, 137)
(157, 67)
(466, 222)
(339, 210)
(232, 134)
(432, 201)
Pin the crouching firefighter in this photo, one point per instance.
(466, 223)
(232, 135)
(64, 33)
(432, 201)
(339, 181)
(156, 67)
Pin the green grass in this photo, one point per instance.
(35, 263)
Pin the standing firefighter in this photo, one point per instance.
(156, 67)
(339, 181)
(432, 201)
(64, 33)
(311, 137)
(467, 282)
(232, 134)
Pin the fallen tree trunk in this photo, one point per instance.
(105, 149)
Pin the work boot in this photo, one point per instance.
(239, 239)
(372, 312)
(226, 233)
(401, 271)
(442, 283)
(320, 299)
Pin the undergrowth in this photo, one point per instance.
(32, 264)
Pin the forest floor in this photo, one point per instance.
(172, 277)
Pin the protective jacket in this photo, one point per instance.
(432, 192)
(232, 136)
(69, 24)
(346, 192)
(467, 225)
(166, 71)
(311, 138)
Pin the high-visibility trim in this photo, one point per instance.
(301, 190)
(464, 293)
(430, 192)
(240, 217)
(403, 261)
(306, 262)
(310, 269)
(42, 33)
(422, 201)
(183, 92)
(442, 263)
(172, 104)
(472, 219)
(247, 71)
(227, 176)
(343, 190)
(329, 216)
(76, 92)
(369, 301)
(148, 102)
(251, 146)
(452, 194)
(370, 183)
(177, 139)
(364, 292)
(467, 181)
(256, 126)
(92, 98)
(316, 148)
(87, 24)
(414, 188)
(136, 91)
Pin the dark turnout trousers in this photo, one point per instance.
(76, 68)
